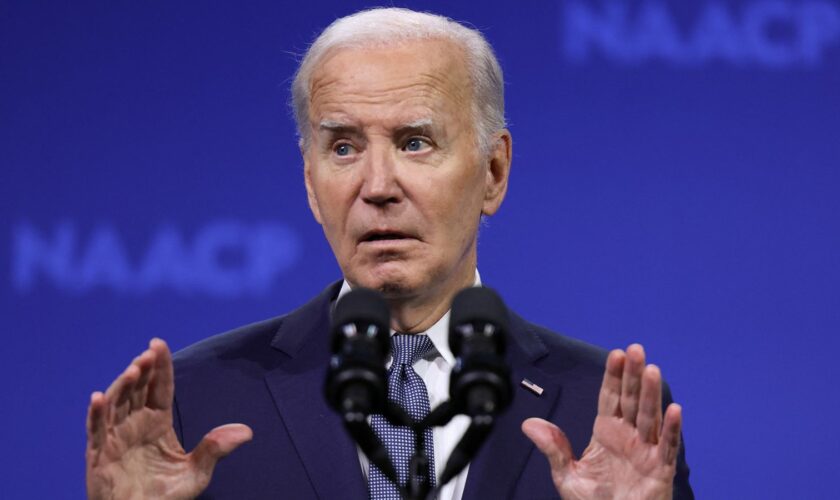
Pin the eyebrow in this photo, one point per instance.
(337, 127)
(422, 125)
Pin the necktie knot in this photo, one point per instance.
(408, 348)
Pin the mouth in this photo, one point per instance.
(384, 235)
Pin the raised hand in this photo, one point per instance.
(633, 453)
(132, 450)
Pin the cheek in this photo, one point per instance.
(458, 207)
(332, 204)
(469, 191)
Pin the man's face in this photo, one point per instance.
(393, 173)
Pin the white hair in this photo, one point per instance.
(384, 26)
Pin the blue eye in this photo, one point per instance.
(343, 149)
(414, 144)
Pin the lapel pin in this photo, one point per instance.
(532, 387)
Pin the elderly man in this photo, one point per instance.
(401, 120)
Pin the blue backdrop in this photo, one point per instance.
(675, 182)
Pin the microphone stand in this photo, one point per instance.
(418, 487)
(469, 444)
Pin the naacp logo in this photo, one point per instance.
(222, 258)
(768, 33)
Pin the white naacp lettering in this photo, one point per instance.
(226, 259)
(768, 33)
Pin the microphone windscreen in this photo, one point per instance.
(478, 305)
(362, 306)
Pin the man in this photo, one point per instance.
(401, 119)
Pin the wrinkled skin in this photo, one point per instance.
(132, 450)
(633, 453)
(394, 175)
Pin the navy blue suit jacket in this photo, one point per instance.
(270, 376)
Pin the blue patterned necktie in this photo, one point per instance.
(406, 389)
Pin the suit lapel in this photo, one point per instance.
(326, 451)
(499, 463)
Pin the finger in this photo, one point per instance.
(96, 423)
(217, 444)
(551, 441)
(669, 442)
(118, 394)
(631, 383)
(144, 364)
(610, 396)
(650, 405)
(162, 383)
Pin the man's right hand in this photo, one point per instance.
(132, 449)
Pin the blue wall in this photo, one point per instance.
(675, 182)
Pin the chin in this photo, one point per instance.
(391, 281)
(395, 290)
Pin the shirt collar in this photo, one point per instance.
(438, 333)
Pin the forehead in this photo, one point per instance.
(405, 82)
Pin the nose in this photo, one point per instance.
(381, 185)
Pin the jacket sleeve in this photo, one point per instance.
(176, 421)
(682, 489)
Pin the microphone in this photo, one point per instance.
(479, 385)
(480, 381)
(356, 383)
(466, 448)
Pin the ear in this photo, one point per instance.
(307, 180)
(498, 170)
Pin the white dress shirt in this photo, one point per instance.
(434, 369)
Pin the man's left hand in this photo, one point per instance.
(633, 452)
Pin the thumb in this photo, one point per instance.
(217, 444)
(551, 441)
